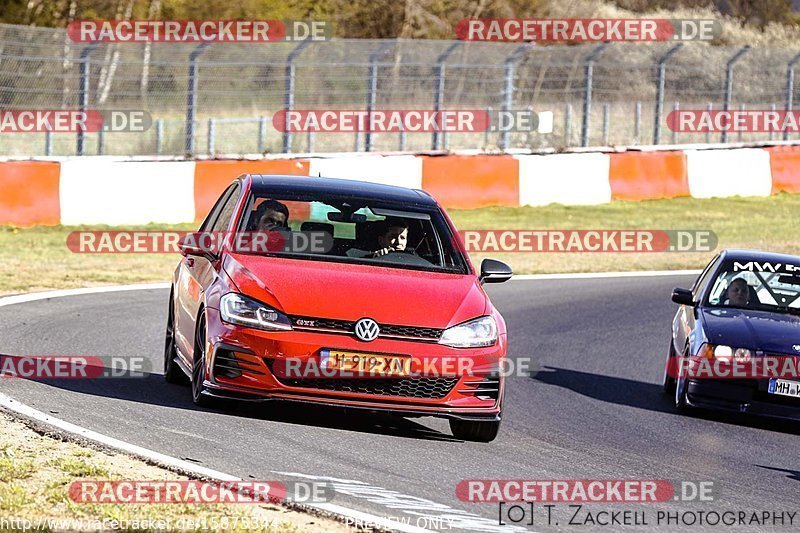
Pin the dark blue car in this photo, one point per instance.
(744, 305)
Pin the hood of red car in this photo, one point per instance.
(345, 291)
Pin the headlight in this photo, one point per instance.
(722, 351)
(473, 334)
(243, 311)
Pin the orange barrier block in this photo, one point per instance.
(29, 193)
(470, 181)
(211, 177)
(648, 175)
(784, 161)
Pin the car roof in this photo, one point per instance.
(758, 255)
(275, 184)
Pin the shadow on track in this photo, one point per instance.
(152, 389)
(791, 474)
(648, 396)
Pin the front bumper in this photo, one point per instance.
(747, 396)
(474, 395)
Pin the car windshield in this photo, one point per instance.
(337, 229)
(756, 285)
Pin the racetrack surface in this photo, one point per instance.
(593, 410)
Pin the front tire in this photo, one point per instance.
(172, 372)
(476, 431)
(669, 382)
(199, 364)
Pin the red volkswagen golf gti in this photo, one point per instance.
(363, 296)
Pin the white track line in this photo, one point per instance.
(11, 405)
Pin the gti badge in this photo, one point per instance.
(796, 347)
(367, 330)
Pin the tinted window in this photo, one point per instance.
(225, 214)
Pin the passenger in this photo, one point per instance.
(738, 293)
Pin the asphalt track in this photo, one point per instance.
(593, 410)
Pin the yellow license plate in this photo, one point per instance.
(367, 363)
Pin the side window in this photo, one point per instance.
(702, 280)
(214, 213)
(225, 214)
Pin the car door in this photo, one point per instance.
(196, 274)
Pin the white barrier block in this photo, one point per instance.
(545, 122)
(400, 170)
(570, 179)
(104, 191)
(737, 172)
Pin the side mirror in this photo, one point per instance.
(682, 296)
(494, 271)
(200, 244)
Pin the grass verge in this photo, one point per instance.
(37, 258)
(36, 472)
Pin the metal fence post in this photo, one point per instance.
(262, 134)
(729, 84)
(587, 92)
(372, 90)
(637, 123)
(310, 141)
(790, 88)
(159, 136)
(772, 108)
(403, 139)
(740, 133)
(212, 133)
(489, 111)
(191, 98)
(48, 142)
(662, 71)
(438, 101)
(288, 97)
(606, 123)
(508, 88)
(83, 94)
(101, 140)
(709, 108)
(568, 125)
(675, 108)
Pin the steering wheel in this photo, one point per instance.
(406, 257)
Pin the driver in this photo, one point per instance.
(271, 215)
(738, 293)
(392, 237)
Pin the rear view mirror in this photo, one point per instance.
(682, 296)
(494, 271)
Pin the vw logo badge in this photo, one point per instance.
(367, 329)
(796, 347)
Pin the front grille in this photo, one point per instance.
(308, 323)
(430, 388)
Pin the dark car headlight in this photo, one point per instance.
(245, 311)
(472, 334)
(723, 351)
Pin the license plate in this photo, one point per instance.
(367, 363)
(784, 387)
